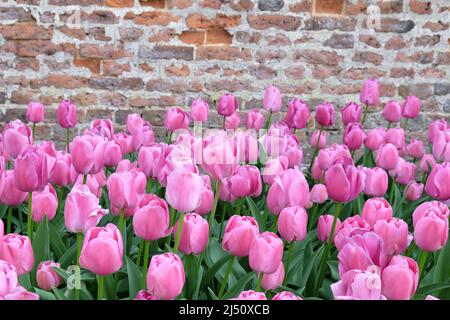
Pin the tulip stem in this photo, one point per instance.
(33, 129)
(313, 220)
(224, 210)
(225, 278)
(238, 206)
(269, 120)
(316, 148)
(405, 124)
(422, 260)
(275, 224)
(121, 220)
(8, 224)
(67, 139)
(100, 280)
(323, 263)
(29, 221)
(260, 278)
(139, 254)
(145, 266)
(84, 179)
(179, 231)
(170, 137)
(77, 261)
(214, 208)
(288, 260)
(365, 114)
(149, 185)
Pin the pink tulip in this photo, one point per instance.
(315, 136)
(289, 187)
(142, 136)
(430, 226)
(318, 194)
(225, 191)
(151, 159)
(232, 122)
(15, 136)
(103, 128)
(44, 202)
(151, 219)
(82, 210)
(124, 141)
(60, 173)
(286, 295)
(251, 295)
(411, 107)
(95, 183)
(246, 182)
(400, 278)
(349, 226)
(30, 170)
(125, 187)
(336, 153)
(438, 207)
(184, 190)
(106, 240)
(246, 146)
(427, 162)
(176, 118)
(207, 198)
(199, 110)
(165, 277)
(274, 143)
(358, 285)
(113, 154)
(325, 114)
(9, 284)
(239, 235)
(376, 182)
(396, 136)
(375, 138)
(394, 233)
(35, 112)
(294, 152)
(145, 295)
(437, 183)
(265, 253)
(413, 191)
(324, 227)
(227, 105)
(254, 119)
(344, 182)
(177, 157)
(134, 122)
(66, 114)
(272, 99)
(11, 196)
(387, 157)
(194, 234)
(441, 146)
(370, 92)
(415, 149)
(404, 173)
(219, 160)
(392, 111)
(354, 135)
(271, 281)
(46, 277)
(376, 209)
(273, 168)
(87, 153)
(351, 113)
(298, 114)
(292, 223)
(17, 250)
(436, 127)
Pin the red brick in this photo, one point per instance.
(219, 36)
(193, 37)
(120, 3)
(370, 41)
(200, 21)
(181, 71)
(242, 5)
(113, 68)
(295, 72)
(25, 31)
(180, 4)
(323, 71)
(368, 57)
(301, 6)
(436, 26)
(84, 99)
(162, 36)
(328, 6)
(23, 64)
(363, 73)
(89, 63)
(420, 6)
(396, 42)
(101, 51)
(418, 57)
(32, 48)
(77, 33)
(213, 4)
(265, 21)
(402, 73)
(151, 18)
(222, 53)
(318, 57)
(432, 72)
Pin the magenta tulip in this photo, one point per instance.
(219, 159)
(165, 277)
(176, 118)
(387, 157)
(411, 107)
(394, 233)
(392, 111)
(265, 253)
(436, 127)
(87, 153)
(199, 110)
(232, 122)
(324, 227)
(9, 284)
(396, 136)
(427, 162)
(375, 138)
(325, 114)
(251, 295)
(145, 295)
(46, 277)
(113, 154)
(194, 234)
(298, 114)
(30, 170)
(370, 92)
(318, 194)
(15, 136)
(315, 142)
(400, 278)
(354, 135)
(239, 235)
(227, 105)
(272, 99)
(66, 114)
(348, 227)
(286, 295)
(441, 146)
(246, 182)
(35, 112)
(351, 113)
(415, 149)
(292, 223)
(103, 128)
(17, 250)
(376, 183)
(254, 119)
(344, 182)
(376, 209)
(430, 227)
(60, 173)
(125, 187)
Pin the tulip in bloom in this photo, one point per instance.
(329, 156)
(35, 112)
(318, 194)
(387, 157)
(344, 182)
(165, 276)
(246, 182)
(411, 107)
(273, 168)
(325, 114)
(286, 295)
(441, 146)
(354, 135)
(103, 128)
(11, 196)
(392, 111)
(30, 170)
(351, 113)
(246, 146)
(9, 284)
(292, 223)
(184, 190)
(239, 235)
(298, 114)
(44, 202)
(272, 99)
(266, 252)
(113, 153)
(142, 136)
(125, 187)
(430, 221)
(324, 227)
(415, 149)
(151, 219)
(358, 285)
(370, 92)
(396, 136)
(194, 234)
(60, 173)
(219, 159)
(66, 114)
(15, 136)
(232, 122)
(254, 119)
(251, 295)
(227, 105)
(46, 277)
(206, 202)
(394, 233)
(427, 162)
(88, 153)
(437, 185)
(17, 250)
(413, 191)
(176, 118)
(376, 209)
(151, 159)
(375, 138)
(199, 110)
(376, 182)
(145, 295)
(271, 281)
(316, 142)
(436, 127)
(348, 227)
(400, 278)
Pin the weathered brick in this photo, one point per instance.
(32, 48)
(328, 6)
(166, 52)
(180, 4)
(245, 37)
(396, 42)
(25, 31)
(60, 81)
(162, 36)
(109, 83)
(89, 63)
(219, 36)
(317, 57)
(442, 89)
(222, 53)
(361, 6)
(23, 64)
(267, 55)
(117, 100)
(84, 99)
(15, 14)
(178, 71)
(420, 6)
(77, 33)
(422, 90)
(436, 26)
(432, 72)
(131, 34)
(101, 51)
(22, 96)
(370, 41)
(270, 5)
(394, 25)
(262, 72)
(278, 39)
(295, 72)
(150, 18)
(368, 57)
(363, 73)
(402, 73)
(265, 21)
(323, 71)
(443, 58)
(213, 4)
(330, 23)
(340, 41)
(427, 40)
(193, 37)
(113, 68)
(99, 33)
(75, 2)
(102, 17)
(200, 21)
(301, 6)
(241, 5)
(418, 57)
(120, 3)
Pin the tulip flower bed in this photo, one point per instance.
(227, 214)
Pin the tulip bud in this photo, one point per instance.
(125, 187)
(194, 234)
(271, 281)
(246, 182)
(298, 114)
(35, 112)
(184, 190)
(376, 182)
(292, 223)
(113, 154)
(88, 153)
(103, 128)
(239, 235)
(411, 107)
(413, 191)
(394, 233)
(315, 136)
(254, 119)
(387, 157)
(151, 219)
(437, 182)
(344, 182)
(354, 135)
(16, 135)
(46, 277)
(44, 202)
(430, 227)
(324, 227)
(232, 122)
(227, 105)
(176, 118)
(266, 252)
(199, 110)
(375, 138)
(351, 113)
(11, 196)
(17, 250)
(392, 111)
(165, 277)
(370, 92)
(427, 162)
(318, 194)
(272, 99)
(325, 114)
(400, 278)
(376, 209)
(415, 149)
(67, 114)
(436, 127)
(145, 295)
(30, 170)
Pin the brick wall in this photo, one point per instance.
(144, 56)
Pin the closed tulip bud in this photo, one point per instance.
(273, 168)
(286, 295)
(396, 136)
(232, 122)
(427, 162)
(88, 153)
(15, 136)
(441, 146)
(251, 295)
(254, 119)
(348, 227)
(272, 99)
(145, 295)
(142, 136)
(103, 128)
(325, 114)
(411, 107)
(199, 110)
(35, 112)
(358, 285)
(318, 194)
(370, 92)
(375, 138)
(95, 183)
(376, 182)
(66, 114)
(184, 190)
(266, 252)
(436, 127)
(430, 223)
(414, 191)
(151, 159)
(376, 209)
(11, 196)
(433, 206)
(227, 105)
(344, 182)
(294, 153)
(194, 234)
(106, 240)
(317, 173)
(219, 160)
(404, 173)
(437, 182)
(246, 182)
(207, 199)
(165, 277)
(298, 114)
(315, 136)
(176, 118)
(151, 219)
(351, 113)
(292, 223)
(17, 250)
(415, 149)
(387, 157)
(44, 202)
(225, 191)
(271, 281)
(394, 233)
(239, 235)
(324, 226)
(82, 210)
(125, 187)
(113, 154)
(134, 122)
(47, 278)
(400, 278)
(328, 156)
(60, 173)
(392, 111)
(30, 170)
(354, 135)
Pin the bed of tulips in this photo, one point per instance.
(227, 214)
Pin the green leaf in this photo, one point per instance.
(425, 290)
(256, 213)
(24, 281)
(134, 278)
(63, 273)
(213, 295)
(69, 256)
(41, 243)
(441, 272)
(56, 244)
(239, 286)
(59, 294)
(209, 275)
(44, 295)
